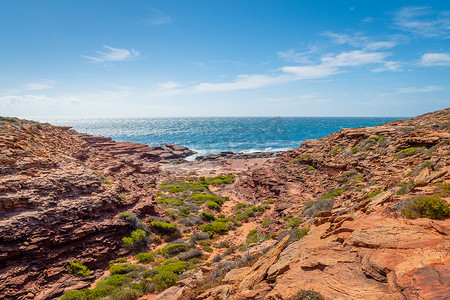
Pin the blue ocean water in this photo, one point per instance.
(212, 135)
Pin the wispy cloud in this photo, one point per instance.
(242, 82)
(158, 17)
(37, 86)
(435, 59)
(329, 65)
(414, 90)
(423, 21)
(113, 54)
(299, 57)
(426, 89)
(339, 38)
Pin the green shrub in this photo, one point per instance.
(131, 219)
(270, 201)
(432, 207)
(215, 227)
(125, 294)
(253, 236)
(212, 205)
(164, 227)
(202, 198)
(408, 152)
(78, 268)
(138, 238)
(310, 168)
(240, 205)
(294, 222)
(114, 280)
(265, 223)
(123, 268)
(242, 217)
(337, 148)
(405, 187)
(173, 249)
(145, 258)
(307, 295)
(164, 279)
(372, 194)
(175, 202)
(75, 295)
(355, 149)
(100, 292)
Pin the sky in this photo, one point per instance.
(168, 58)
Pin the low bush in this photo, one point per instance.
(294, 222)
(78, 268)
(131, 218)
(123, 268)
(307, 295)
(408, 152)
(189, 255)
(173, 249)
(212, 205)
(145, 258)
(202, 198)
(215, 227)
(253, 236)
(125, 294)
(114, 280)
(265, 223)
(372, 194)
(137, 239)
(164, 227)
(198, 236)
(432, 207)
(164, 280)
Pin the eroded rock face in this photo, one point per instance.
(60, 192)
(360, 247)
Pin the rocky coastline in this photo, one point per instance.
(334, 217)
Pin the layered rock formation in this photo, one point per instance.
(59, 194)
(361, 246)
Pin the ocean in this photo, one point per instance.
(213, 135)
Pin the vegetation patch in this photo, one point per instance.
(215, 227)
(372, 194)
(145, 258)
(307, 295)
(432, 207)
(78, 268)
(123, 268)
(137, 239)
(408, 152)
(294, 222)
(173, 249)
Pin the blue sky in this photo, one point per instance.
(223, 58)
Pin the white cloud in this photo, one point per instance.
(380, 45)
(242, 82)
(355, 41)
(435, 59)
(423, 21)
(311, 72)
(298, 57)
(114, 54)
(37, 86)
(168, 85)
(426, 89)
(354, 58)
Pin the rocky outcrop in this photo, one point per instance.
(60, 192)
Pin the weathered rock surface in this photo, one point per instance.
(60, 192)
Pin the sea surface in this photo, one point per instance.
(213, 135)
